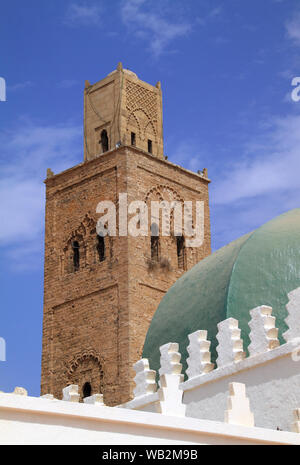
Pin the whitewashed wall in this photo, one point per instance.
(273, 387)
(28, 420)
(271, 373)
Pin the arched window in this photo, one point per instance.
(86, 390)
(180, 251)
(76, 255)
(154, 242)
(104, 140)
(101, 248)
(133, 139)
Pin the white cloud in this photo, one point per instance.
(151, 25)
(293, 27)
(25, 156)
(82, 14)
(260, 184)
(270, 164)
(20, 86)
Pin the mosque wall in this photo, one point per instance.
(272, 387)
(271, 372)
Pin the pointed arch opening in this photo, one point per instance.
(104, 141)
(180, 242)
(86, 390)
(100, 248)
(76, 255)
(154, 242)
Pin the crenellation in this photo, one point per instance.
(199, 361)
(263, 334)
(238, 408)
(293, 320)
(230, 348)
(144, 379)
(169, 360)
(71, 394)
(95, 399)
(296, 424)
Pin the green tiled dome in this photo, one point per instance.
(258, 268)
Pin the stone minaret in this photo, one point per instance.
(100, 294)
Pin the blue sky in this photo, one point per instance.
(226, 69)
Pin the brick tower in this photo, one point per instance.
(100, 293)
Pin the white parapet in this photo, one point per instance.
(230, 348)
(95, 399)
(293, 318)
(144, 379)
(34, 421)
(199, 355)
(20, 391)
(238, 405)
(170, 395)
(170, 359)
(296, 424)
(168, 399)
(70, 393)
(263, 334)
(145, 393)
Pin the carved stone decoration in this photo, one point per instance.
(162, 193)
(86, 367)
(138, 97)
(86, 236)
(142, 107)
